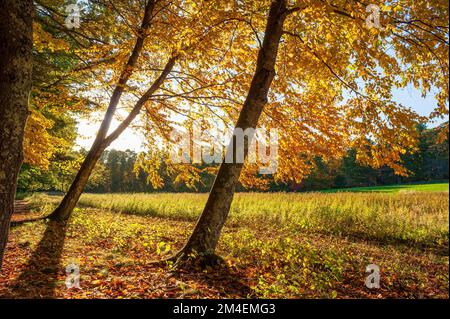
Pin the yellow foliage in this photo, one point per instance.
(333, 89)
(38, 144)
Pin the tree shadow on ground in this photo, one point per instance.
(38, 279)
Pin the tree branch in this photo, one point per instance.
(139, 104)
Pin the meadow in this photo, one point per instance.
(282, 245)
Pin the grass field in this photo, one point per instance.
(313, 245)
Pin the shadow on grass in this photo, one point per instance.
(38, 279)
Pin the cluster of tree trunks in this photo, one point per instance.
(206, 234)
(16, 62)
(15, 85)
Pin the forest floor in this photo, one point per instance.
(274, 246)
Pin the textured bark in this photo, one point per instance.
(16, 64)
(205, 237)
(63, 211)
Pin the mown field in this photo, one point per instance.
(313, 245)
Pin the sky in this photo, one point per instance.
(132, 140)
(128, 140)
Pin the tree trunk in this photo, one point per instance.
(65, 208)
(16, 63)
(205, 237)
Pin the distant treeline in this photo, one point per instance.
(430, 163)
(117, 172)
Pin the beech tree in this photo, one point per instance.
(206, 234)
(337, 70)
(103, 140)
(16, 35)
